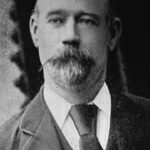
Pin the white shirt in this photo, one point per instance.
(59, 108)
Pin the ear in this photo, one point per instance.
(115, 32)
(34, 29)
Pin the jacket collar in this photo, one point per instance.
(34, 114)
(125, 129)
(40, 128)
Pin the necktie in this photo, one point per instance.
(84, 118)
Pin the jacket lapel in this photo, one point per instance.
(39, 129)
(126, 124)
(112, 143)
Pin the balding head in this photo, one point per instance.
(111, 9)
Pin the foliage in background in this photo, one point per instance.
(31, 78)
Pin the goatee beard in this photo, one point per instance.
(71, 67)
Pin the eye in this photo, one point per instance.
(56, 21)
(88, 21)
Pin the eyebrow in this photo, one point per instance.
(55, 12)
(78, 14)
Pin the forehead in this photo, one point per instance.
(91, 6)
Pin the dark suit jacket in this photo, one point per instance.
(35, 128)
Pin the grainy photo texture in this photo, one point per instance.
(66, 77)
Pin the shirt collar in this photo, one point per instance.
(57, 105)
(103, 100)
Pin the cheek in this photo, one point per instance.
(96, 43)
(48, 44)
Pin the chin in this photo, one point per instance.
(71, 76)
(74, 83)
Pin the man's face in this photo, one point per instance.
(72, 37)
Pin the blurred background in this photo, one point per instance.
(134, 44)
(10, 97)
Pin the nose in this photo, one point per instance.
(71, 35)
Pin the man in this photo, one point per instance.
(74, 39)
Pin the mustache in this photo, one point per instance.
(73, 55)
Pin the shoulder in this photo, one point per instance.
(131, 116)
(9, 129)
(137, 108)
(140, 102)
(128, 105)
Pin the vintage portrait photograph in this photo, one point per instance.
(74, 75)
